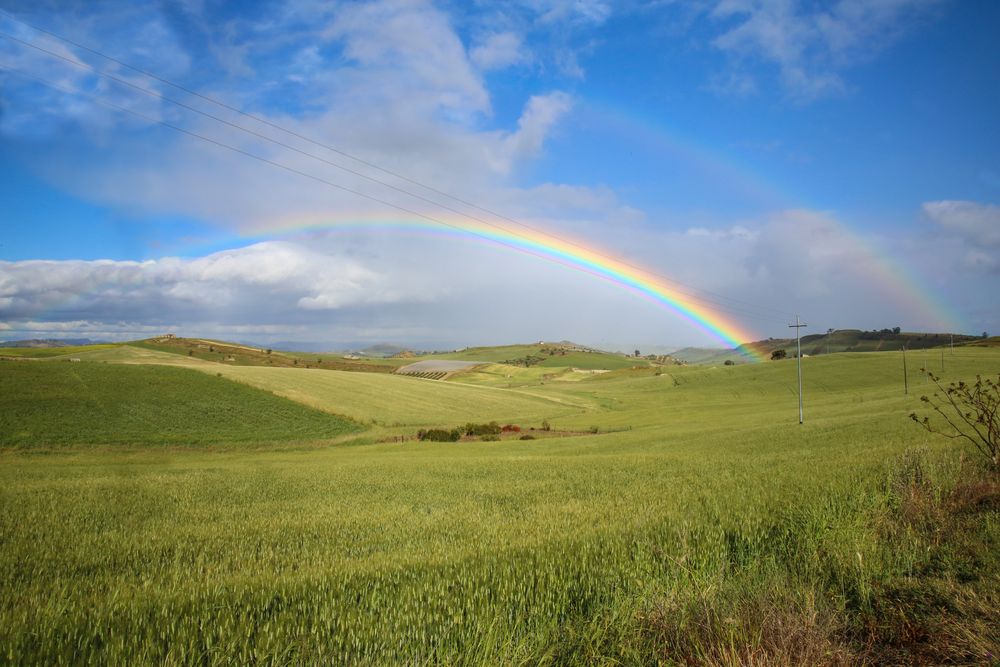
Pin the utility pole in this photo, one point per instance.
(906, 380)
(798, 359)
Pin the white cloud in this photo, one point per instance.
(809, 44)
(274, 277)
(593, 12)
(978, 223)
(499, 50)
(539, 116)
(973, 229)
(411, 52)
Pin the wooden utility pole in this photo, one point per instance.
(906, 380)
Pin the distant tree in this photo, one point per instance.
(895, 330)
(778, 354)
(269, 350)
(729, 362)
(985, 335)
(637, 353)
(829, 331)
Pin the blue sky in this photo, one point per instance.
(835, 159)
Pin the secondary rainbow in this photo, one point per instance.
(570, 253)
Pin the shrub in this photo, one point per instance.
(490, 438)
(439, 435)
(778, 354)
(595, 429)
(729, 362)
(492, 428)
(527, 436)
(971, 412)
(545, 425)
(511, 428)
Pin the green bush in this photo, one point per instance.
(492, 428)
(439, 435)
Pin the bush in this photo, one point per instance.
(492, 428)
(511, 428)
(595, 429)
(778, 354)
(439, 435)
(546, 426)
(527, 436)
(729, 362)
(490, 438)
(971, 412)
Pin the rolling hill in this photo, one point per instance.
(840, 340)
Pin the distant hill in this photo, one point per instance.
(546, 354)
(840, 340)
(49, 342)
(237, 354)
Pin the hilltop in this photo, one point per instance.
(839, 340)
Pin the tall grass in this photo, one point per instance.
(716, 531)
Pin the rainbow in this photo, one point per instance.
(907, 286)
(570, 253)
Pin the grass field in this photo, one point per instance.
(393, 400)
(49, 404)
(700, 525)
(47, 352)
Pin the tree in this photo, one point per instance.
(728, 362)
(778, 354)
(985, 335)
(971, 412)
(637, 353)
(895, 330)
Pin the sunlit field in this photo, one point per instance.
(691, 520)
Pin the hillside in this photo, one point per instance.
(840, 340)
(58, 403)
(551, 355)
(234, 354)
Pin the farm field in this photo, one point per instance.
(695, 522)
(64, 404)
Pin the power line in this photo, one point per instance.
(264, 121)
(319, 179)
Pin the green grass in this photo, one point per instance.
(563, 356)
(702, 525)
(841, 340)
(47, 352)
(61, 403)
(395, 400)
